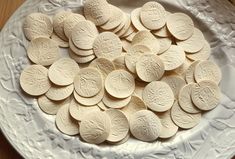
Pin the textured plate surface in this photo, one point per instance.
(34, 134)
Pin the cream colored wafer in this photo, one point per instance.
(175, 82)
(169, 128)
(135, 19)
(79, 111)
(107, 45)
(205, 95)
(34, 80)
(37, 25)
(104, 66)
(84, 34)
(180, 26)
(203, 54)
(120, 84)
(158, 96)
(71, 21)
(113, 102)
(185, 100)
(119, 125)
(145, 125)
(117, 17)
(169, 58)
(153, 15)
(49, 106)
(193, 44)
(43, 51)
(63, 71)
(58, 23)
(207, 70)
(136, 104)
(65, 123)
(60, 42)
(95, 128)
(88, 82)
(97, 11)
(133, 56)
(189, 74)
(58, 93)
(89, 101)
(183, 119)
(149, 68)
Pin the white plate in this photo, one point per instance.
(34, 134)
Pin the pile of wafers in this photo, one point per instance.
(144, 75)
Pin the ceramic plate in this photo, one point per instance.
(34, 134)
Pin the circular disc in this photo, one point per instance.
(84, 34)
(107, 45)
(145, 125)
(65, 123)
(149, 68)
(97, 11)
(95, 128)
(183, 119)
(37, 25)
(88, 82)
(153, 15)
(119, 125)
(205, 95)
(120, 84)
(169, 128)
(207, 70)
(43, 51)
(34, 80)
(158, 96)
(63, 71)
(180, 25)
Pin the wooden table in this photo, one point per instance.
(7, 7)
